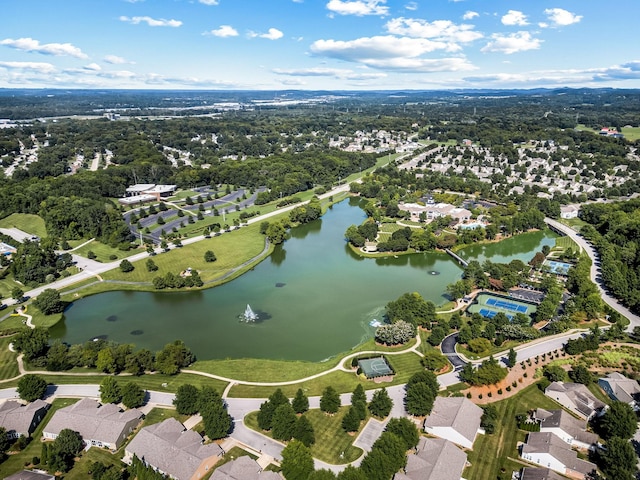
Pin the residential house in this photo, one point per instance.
(547, 450)
(435, 459)
(566, 427)
(243, 468)
(529, 473)
(621, 388)
(99, 425)
(569, 211)
(435, 210)
(30, 475)
(21, 420)
(455, 419)
(576, 398)
(172, 450)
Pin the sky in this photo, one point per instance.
(319, 44)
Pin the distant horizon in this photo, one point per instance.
(311, 45)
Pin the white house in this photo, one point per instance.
(575, 397)
(566, 427)
(435, 459)
(547, 450)
(569, 211)
(455, 419)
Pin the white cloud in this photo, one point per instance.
(514, 17)
(152, 22)
(209, 2)
(469, 15)
(272, 34)
(340, 73)
(31, 45)
(41, 67)
(560, 18)
(93, 67)
(441, 30)
(512, 43)
(358, 7)
(411, 6)
(115, 60)
(224, 31)
(390, 52)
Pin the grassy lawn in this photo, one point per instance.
(8, 364)
(492, 454)
(331, 439)
(103, 252)
(81, 469)
(631, 133)
(157, 415)
(26, 222)
(17, 461)
(231, 249)
(260, 370)
(7, 284)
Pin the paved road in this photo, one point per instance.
(448, 347)
(596, 274)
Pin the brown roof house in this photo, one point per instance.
(435, 459)
(99, 425)
(575, 397)
(21, 420)
(30, 475)
(455, 419)
(529, 473)
(171, 449)
(621, 388)
(547, 450)
(243, 468)
(566, 427)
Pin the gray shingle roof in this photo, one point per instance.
(172, 449)
(436, 459)
(545, 442)
(529, 473)
(566, 422)
(243, 468)
(623, 389)
(16, 417)
(582, 399)
(106, 423)
(456, 412)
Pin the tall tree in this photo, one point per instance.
(381, 404)
(110, 391)
(618, 461)
(330, 400)
(186, 399)
(300, 402)
(297, 462)
(31, 387)
(304, 431)
(618, 421)
(283, 423)
(132, 395)
(405, 429)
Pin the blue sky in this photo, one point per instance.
(319, 44)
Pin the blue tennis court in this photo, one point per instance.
(514, 307)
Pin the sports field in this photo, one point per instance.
(489, 306)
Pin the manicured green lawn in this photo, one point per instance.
(26, 222)
(8, 363)
(231, 250)
(491, 453)
(82, 468)
(259, 370)
(331, 440)
(103, 251)
(157, 415)
(7, 284)
(16, 462)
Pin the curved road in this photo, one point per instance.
(595, 272)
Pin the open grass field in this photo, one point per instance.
(26, 222)
(157, 415)
(8, 363)
(405, 365)
(331, 440)
(631, 133)
(231, 250)
(260, 370)
(7, 284)
(103, 252)
(497, 454)
(16, 462)
(566, 242)
(82, 468)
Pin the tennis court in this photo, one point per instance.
(514, 307)
(489, 305)
(559, 268)
(375, 367)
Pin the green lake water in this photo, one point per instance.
(314, 296)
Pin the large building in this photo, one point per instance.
(435, 210)
(455, 419)
(99, 425)
(147, 192)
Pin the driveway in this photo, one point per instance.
(448, 347)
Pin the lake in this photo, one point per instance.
(314, 296)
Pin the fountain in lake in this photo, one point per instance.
(249, 315)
